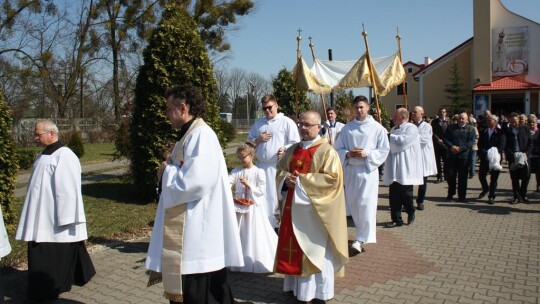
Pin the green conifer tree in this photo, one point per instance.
(8, 163)
(175, 55)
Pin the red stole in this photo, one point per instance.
(289, 254)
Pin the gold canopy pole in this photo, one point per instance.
(398, 38)
(311, 46)
(298, 64)
(371, 74)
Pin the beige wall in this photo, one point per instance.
(436, 80)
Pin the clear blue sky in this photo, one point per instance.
(266, 40)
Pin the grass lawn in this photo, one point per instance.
(113, 213)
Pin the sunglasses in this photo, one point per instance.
(268, 108)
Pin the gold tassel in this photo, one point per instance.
(173, 297)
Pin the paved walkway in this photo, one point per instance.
(453, 253)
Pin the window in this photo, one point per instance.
(400, 89)
(409, 70)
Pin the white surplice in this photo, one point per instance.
(429, 165)
(404, 164)
(259, 240)
(53, 210)
(332, 130)
(284, 133)
(211, 239)
(362, 174)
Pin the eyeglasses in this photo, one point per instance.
(306, 125)
(242, 156)
(40, 134)
(268, 108)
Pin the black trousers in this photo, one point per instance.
(422, 192)
(520, 181)
(440, 158)
(400, 195)
(54, 267)
(482, 176)
(457, 168)
(207, 288)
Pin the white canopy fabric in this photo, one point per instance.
(326, 76)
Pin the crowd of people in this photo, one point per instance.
(285, 208)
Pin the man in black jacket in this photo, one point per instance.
(518, 152)
(490, 137)
(439, 126)
(459, 139)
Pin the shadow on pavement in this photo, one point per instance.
(496, 209)
(121, 246)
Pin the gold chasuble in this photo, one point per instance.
(289, 255)
(306, 230)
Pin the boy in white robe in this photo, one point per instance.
(272, 134)
(195, 235)
(362, 146)
(53, 220)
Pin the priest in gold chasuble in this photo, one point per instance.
(312, 245)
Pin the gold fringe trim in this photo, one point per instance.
(154, 278)
(173, 297)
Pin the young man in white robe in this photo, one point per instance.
(403, 168)
(272, 134)
(195, 235)
(429, 166)
(363, 147)
(53, 220)
(331, 127)
(312, 244)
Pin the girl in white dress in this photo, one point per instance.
(259, 241)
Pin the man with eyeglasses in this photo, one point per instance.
(272, 134)
(310, 180)
(363, 147)
(53, 220)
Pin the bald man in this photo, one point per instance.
(459, 139)
(403, 168)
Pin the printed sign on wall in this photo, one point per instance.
(510, 55)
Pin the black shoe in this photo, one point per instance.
(449, 197)
(515, 201)
(491, 200)
(462, 200)
(525, 199)
(411, 219)
(393, 225)
(317, 301)
(438, 181)
(420, 206)
(482, 194)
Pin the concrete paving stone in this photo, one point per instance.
(450, 298)
(524, 299)
(461, 293)
(410, 298)
(392, 300)
(422, 293)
